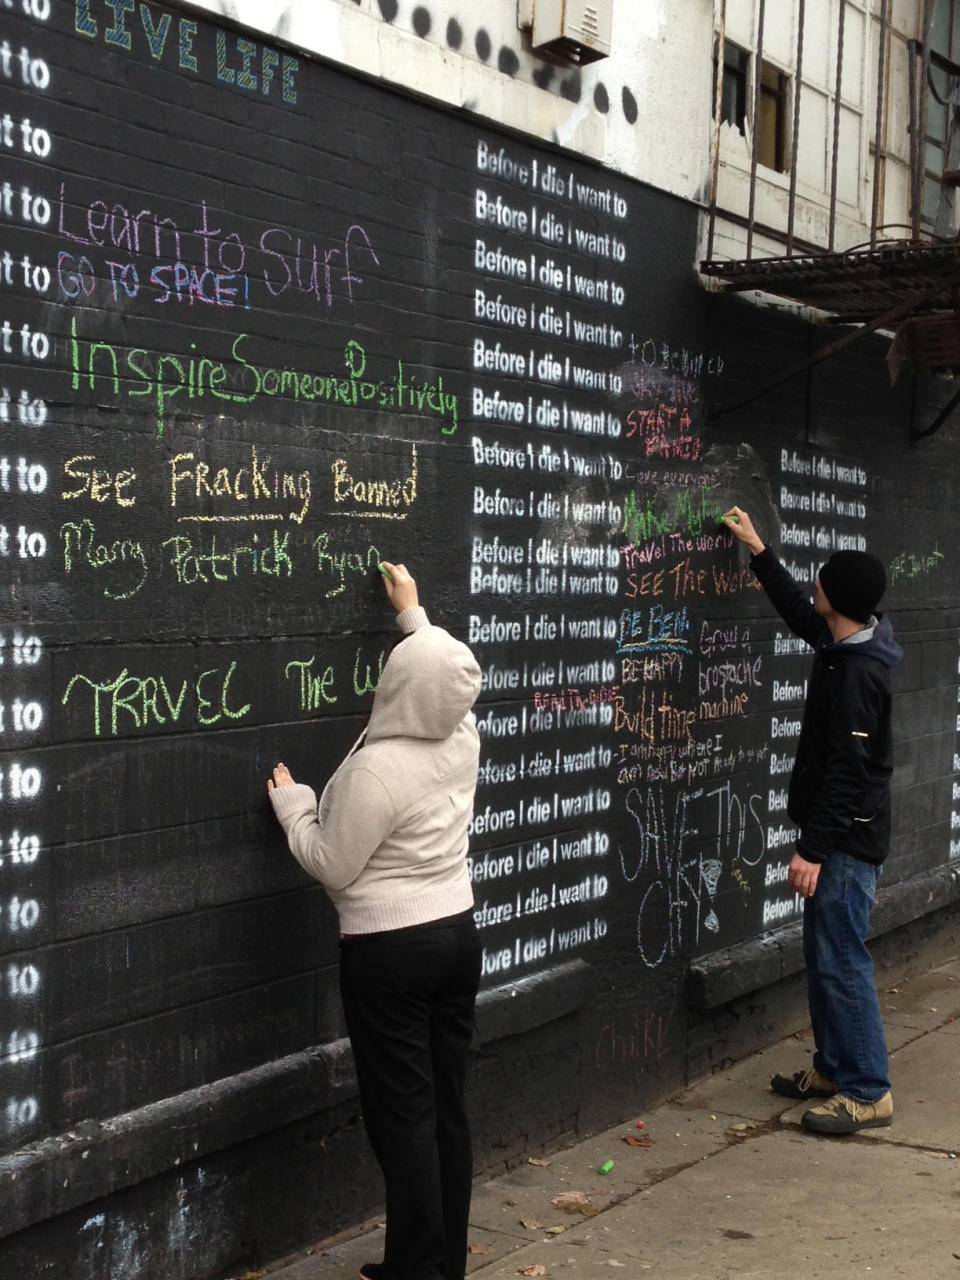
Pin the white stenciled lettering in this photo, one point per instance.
(496, 408)
(493, 630)
(777, 909)
(496, 679)
(497, 455)
(491, 866)
(780, 836)
(496, 503)
(786, 691)
(500, 214)
(490, 821)
(497, 311)
(492, 725)
(497, 359)
(495, 262)
(500, 164)
(497, 552)
(788, 644)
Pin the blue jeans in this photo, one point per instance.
(851, 1048)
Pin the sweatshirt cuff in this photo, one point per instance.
(409, 620)
(766, 555)
(808, 854)
(288, 800)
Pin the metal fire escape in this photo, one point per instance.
(909, 284)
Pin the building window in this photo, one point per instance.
(736, 102)
(733, 98)
(942, 141)
(772, 126)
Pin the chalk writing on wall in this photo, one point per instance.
(251, 470)
(227, 392)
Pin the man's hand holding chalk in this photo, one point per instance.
(741, 526)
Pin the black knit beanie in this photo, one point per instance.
(854, 583)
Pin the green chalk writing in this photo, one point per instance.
(129, 702)
(204, 559)
(688, 512)
(315, 690)
(166, 380)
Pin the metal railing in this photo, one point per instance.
(920, 61)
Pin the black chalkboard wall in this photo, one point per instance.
(263, 326)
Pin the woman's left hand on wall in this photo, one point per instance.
(281, 778)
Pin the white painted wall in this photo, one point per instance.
(646, 111)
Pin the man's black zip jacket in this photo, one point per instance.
(840, 785)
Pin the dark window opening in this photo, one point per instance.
(736, 103)
(733, 93)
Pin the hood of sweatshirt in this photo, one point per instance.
(429, 683)
(874, 641)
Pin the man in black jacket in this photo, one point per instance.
(839, 799)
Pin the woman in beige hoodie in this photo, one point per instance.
(389, 842)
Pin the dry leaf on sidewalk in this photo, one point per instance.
(741, 1130)
(539, 1164)
(575, 1202)
(531, 1224)
(571, 1199)
(538, 1269)
(480, 1248)
(631, 1141)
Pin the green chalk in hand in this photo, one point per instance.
(384, 570)
(724, 519)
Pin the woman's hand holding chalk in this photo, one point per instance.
(399, 585)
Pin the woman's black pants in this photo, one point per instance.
(409, 996)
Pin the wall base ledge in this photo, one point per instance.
(99, 1157)
(760, 962)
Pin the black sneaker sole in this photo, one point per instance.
(845, 1131)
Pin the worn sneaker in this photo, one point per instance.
(373, 1271)
(841, 1114)
(803, 1085)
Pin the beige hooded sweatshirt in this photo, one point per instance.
(389, 841)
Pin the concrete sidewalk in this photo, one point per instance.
(730, 1185)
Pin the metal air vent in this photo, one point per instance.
(571, 31)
